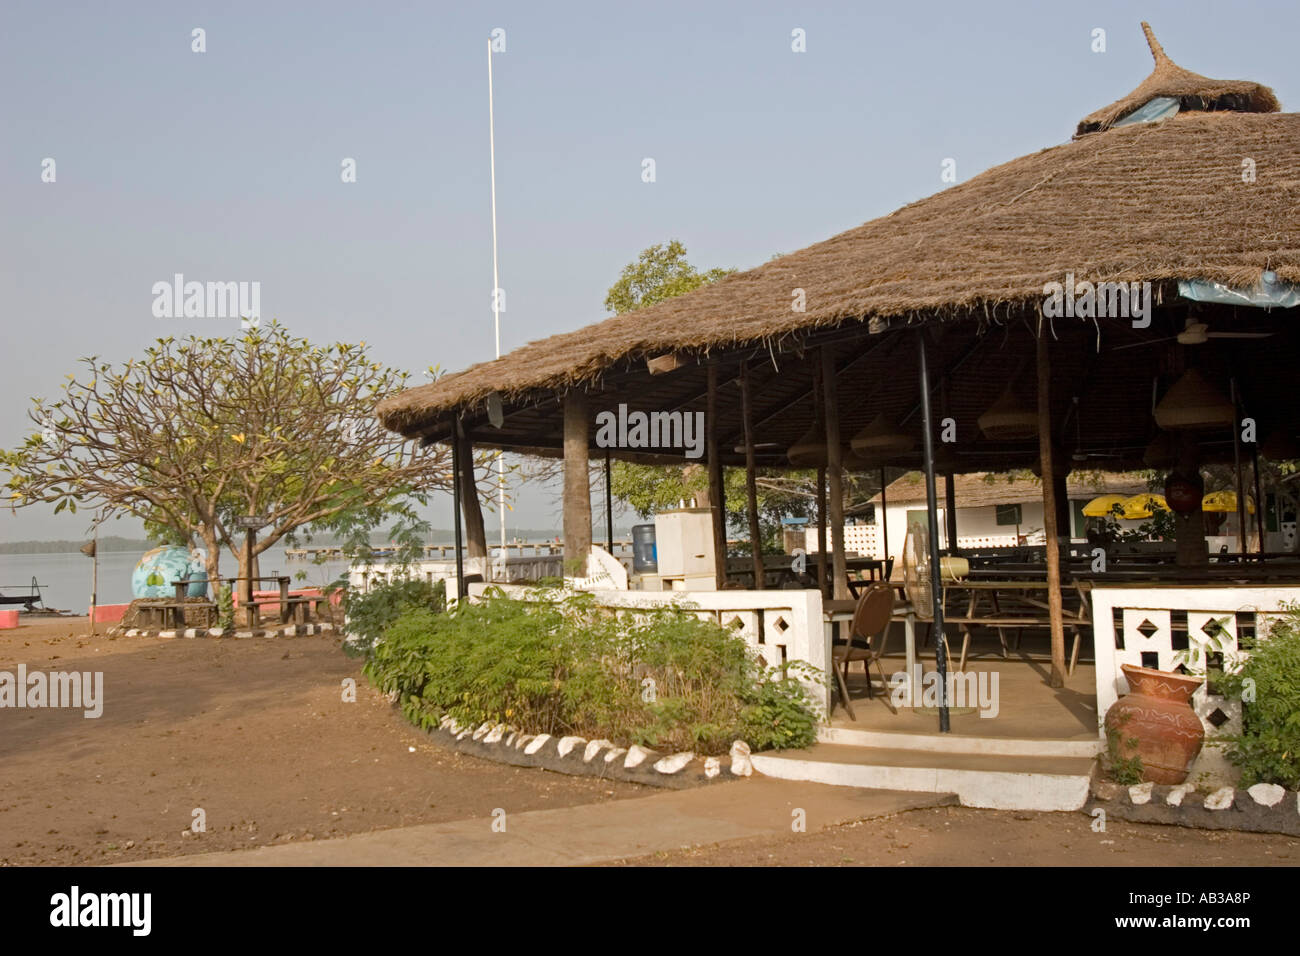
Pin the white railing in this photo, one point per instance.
(868, 541)
(779, 626)
(516, 570)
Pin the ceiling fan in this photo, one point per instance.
(1195, 332)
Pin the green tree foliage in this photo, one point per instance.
(649, 489)
(199, 431)
(659, 272)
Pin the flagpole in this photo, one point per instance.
(496, 298)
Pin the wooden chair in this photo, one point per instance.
(868, 637)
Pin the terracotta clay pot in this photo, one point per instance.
(1157, 711)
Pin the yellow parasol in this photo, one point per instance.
(1101, 507)
(1143, 505)
(1225, 501)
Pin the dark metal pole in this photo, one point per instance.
(462, 589)
(1261, 525)
(609, 509)
(932, 522)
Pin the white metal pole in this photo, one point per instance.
(496, 296)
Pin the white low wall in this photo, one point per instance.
(517, 569)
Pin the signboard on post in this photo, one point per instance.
(250, 525)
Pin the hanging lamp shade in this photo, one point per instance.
(881, 439)
(854, 461)
(1193, 403)
(810, 450)
(1007, 419)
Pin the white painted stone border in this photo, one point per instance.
(288, 630)
(604, 758)
(1263, 808)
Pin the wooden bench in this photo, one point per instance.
(296, 606)
(171, 614)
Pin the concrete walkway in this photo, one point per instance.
(591, 834)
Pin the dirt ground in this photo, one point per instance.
(959, 836)
(253, 731)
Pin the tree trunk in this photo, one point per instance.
(212, 562)
(1055, 609)
(475, 532)
(577, 485)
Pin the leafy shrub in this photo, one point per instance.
(1121, 769)
(661, 678)
(1268, 685)
(370, 613)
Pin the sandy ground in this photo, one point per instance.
(959, 836)
(254, 732)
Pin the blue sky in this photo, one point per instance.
(225, 165)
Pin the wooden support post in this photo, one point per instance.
(1061, 491)
(823, 542)
(1261, 527)
(823, 539)
(950, 511)
(883, 520)
(609, 506)
(717, 488)
(1050, 533)
(577, 485)
(751, 488)
(835, 473)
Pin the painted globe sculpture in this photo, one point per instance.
(157, 569)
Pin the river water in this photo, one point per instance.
(66, 577)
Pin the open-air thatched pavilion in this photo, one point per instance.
(1035, 316)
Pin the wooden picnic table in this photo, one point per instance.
(995, 604)
(985, 602)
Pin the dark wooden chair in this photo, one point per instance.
(868, 637)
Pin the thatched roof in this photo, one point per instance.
(1147, 202)
(984, 489)
(1194, 92)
